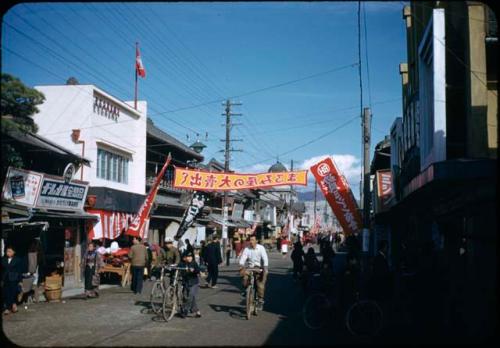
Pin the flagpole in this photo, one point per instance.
(135, 65)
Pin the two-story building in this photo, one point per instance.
(443, 162)
(112, 135)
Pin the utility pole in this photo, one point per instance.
(366, 166)
(315, 198)
(227, 159)
(366, 177)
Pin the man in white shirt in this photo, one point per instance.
(255, 255)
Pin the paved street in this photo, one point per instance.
(118, 318)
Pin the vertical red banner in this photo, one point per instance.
(338, 194)
(139, 225)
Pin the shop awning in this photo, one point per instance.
(218, 219)
(64, 215)
(163, 217)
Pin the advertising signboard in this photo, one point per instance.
(22, 186)
(57, 194)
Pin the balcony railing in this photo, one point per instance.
(165, 185)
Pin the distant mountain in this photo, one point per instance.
(309, 196)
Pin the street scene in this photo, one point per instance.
(249, 173)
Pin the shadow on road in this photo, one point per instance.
(233, 311)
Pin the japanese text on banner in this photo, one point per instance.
(210, 181)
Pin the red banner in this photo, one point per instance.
(384, 190)
(141, 220)
(338, 194)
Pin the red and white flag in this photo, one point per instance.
(139, 67)
(138, 227)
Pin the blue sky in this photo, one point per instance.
(201, 52)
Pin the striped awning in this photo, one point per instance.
(111, 224)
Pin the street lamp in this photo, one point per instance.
(198, 146)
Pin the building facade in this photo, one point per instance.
(443, 166)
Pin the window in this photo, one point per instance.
(112, 167)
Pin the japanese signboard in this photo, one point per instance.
(384, 189)
(338, 194)
(210, 181)
(57, 194)
(22, 186)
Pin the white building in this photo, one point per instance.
(113, 132)
(112, 135)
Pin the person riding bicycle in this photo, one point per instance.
(171, 256)
(191, 283)
(255, 255)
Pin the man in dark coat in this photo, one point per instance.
(11, 280)
(213, 259)
(297, 259)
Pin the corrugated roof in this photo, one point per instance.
(156, 132)
(43, 143)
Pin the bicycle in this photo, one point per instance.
(364, 317)
(320, 308)
(158, 291)
(251, 292)
(173, 298)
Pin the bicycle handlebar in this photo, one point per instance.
(254, 269)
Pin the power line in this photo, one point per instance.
(309, 142)
(260, 89)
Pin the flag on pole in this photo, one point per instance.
(138, 63)
(139, 225)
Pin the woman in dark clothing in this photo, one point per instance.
(191, 284)
(297, 259)
(328, 255)
(11, 280)
(311, 261)
(92, 262)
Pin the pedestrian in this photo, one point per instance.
(351, 281)
(91, 263)
(311, 261)
(11, 280)
(30, 278)
(213, 258)
(237, 243)
(284, 246)
(139, 258)
(150, 259)
(297, 259)
(191, 284)
(203, 247)
(328, 255)
(188, 245)
(228, 252)
(278, 242)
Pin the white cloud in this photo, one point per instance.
(348, 165)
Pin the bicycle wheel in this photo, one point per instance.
(156, 297)
(364, 318)
(250, 304)
(169, 303)
(316, 311)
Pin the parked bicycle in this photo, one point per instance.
(158, 290)
(320, 307)
(364, 317)
(174, 296)
(251, 292)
